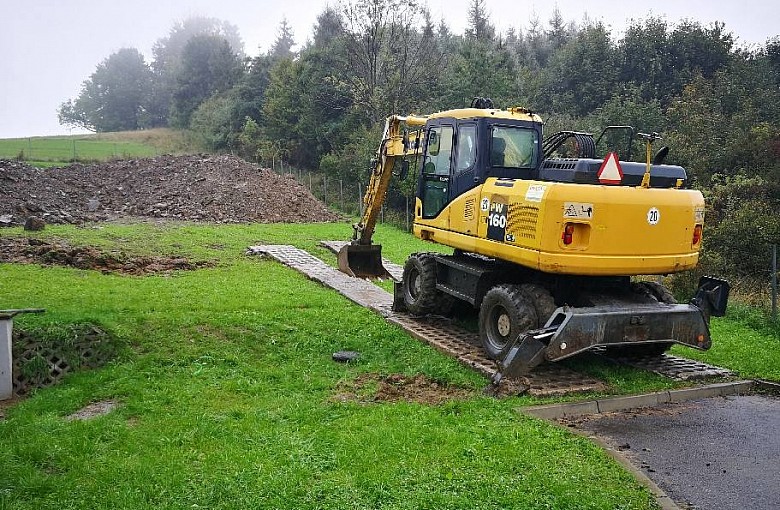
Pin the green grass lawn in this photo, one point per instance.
(62, 150)
(227, 393)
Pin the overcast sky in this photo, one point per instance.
(49, 47)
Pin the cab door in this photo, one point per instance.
(434, 185)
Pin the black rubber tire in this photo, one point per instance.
(658, 291)
(506, 311)
(419, 287)
(662, 295)
(543, 302)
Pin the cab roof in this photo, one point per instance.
(515, 113)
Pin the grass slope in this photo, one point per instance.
(227, 395)
(62, 150)
(227, 398)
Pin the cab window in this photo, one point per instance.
(434, 185)
(513, 147)
(439, 152)
(466, 146)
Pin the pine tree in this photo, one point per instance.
(479, 27)
(282, 47)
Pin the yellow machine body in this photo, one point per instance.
(617, 230)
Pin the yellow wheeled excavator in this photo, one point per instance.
(545, 246)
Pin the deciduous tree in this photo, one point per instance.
(115, 97)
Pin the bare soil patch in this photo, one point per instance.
(399, 388)
(222, 189)
(666, 409)
(60, 253)
(7, 404)
(93, 410)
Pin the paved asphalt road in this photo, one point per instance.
(719, 453)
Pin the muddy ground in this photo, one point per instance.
(399, 388)
(60, 253)
(222, 189)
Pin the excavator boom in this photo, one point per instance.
(360, 257)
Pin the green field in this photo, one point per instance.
(228, 394)
(62, 150)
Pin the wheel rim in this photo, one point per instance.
(503, 325)
(415, 284)
(500, 327)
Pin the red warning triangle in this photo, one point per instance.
(610, 171)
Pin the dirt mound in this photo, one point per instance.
(399, 388)
(34, 251)
(223, 189)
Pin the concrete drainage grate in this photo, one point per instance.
(674, 367)
(438, 332)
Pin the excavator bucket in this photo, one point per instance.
(362, 261)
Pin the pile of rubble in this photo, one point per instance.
(221, 189)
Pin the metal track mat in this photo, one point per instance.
(673, 367)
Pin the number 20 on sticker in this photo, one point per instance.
(653, 216)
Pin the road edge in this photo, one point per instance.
(553, 412)
(607, 405)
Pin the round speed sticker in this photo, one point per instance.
(653, 216)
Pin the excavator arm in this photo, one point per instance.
(360, 257)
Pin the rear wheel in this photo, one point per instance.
(543, 302)
(506, 312)
(419, 286)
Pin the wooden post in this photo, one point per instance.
(360, 200)
(774, 282)
(407, 214)
(341, 194)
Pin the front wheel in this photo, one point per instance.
(419, 286)
(505, 313)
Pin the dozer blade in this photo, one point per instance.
(362, 261)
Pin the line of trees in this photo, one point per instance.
(320, 107)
